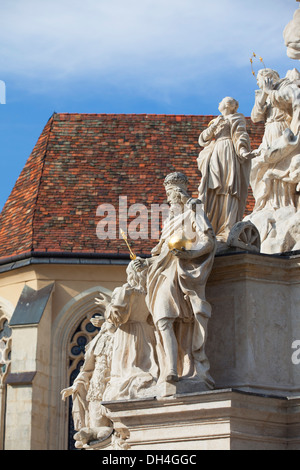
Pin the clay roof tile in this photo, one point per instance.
(82, 161)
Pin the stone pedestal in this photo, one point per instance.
(255, 320)
(218, 420)
(256, 401)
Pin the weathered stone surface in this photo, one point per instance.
(221, 420)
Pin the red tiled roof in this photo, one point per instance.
(83, 160)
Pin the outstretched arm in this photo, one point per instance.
(78, 387)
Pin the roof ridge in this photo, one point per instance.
(63, 117)
(61, 114)
(50, 123)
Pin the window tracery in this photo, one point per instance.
(83, 334)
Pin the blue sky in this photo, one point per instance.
(133, 56)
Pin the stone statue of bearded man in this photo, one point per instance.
(177, 273)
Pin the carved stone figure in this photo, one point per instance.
(276, 121)
(286, 97)
(291, 35)
(177, 273)
(225, 167)
(119, 363)
(134, 367)
(275, 175)
(87, 390)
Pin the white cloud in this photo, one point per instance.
(162, 41)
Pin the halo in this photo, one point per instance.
(254, 56)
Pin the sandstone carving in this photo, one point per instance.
(291, 36)
(176, 281)
(89, 417)
(275, 175)
(120, 362)
(245, 237)
(225, 167)
(134, 368)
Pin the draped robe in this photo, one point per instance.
(176, 289)
(225, 173)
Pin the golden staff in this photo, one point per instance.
(132, 255)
